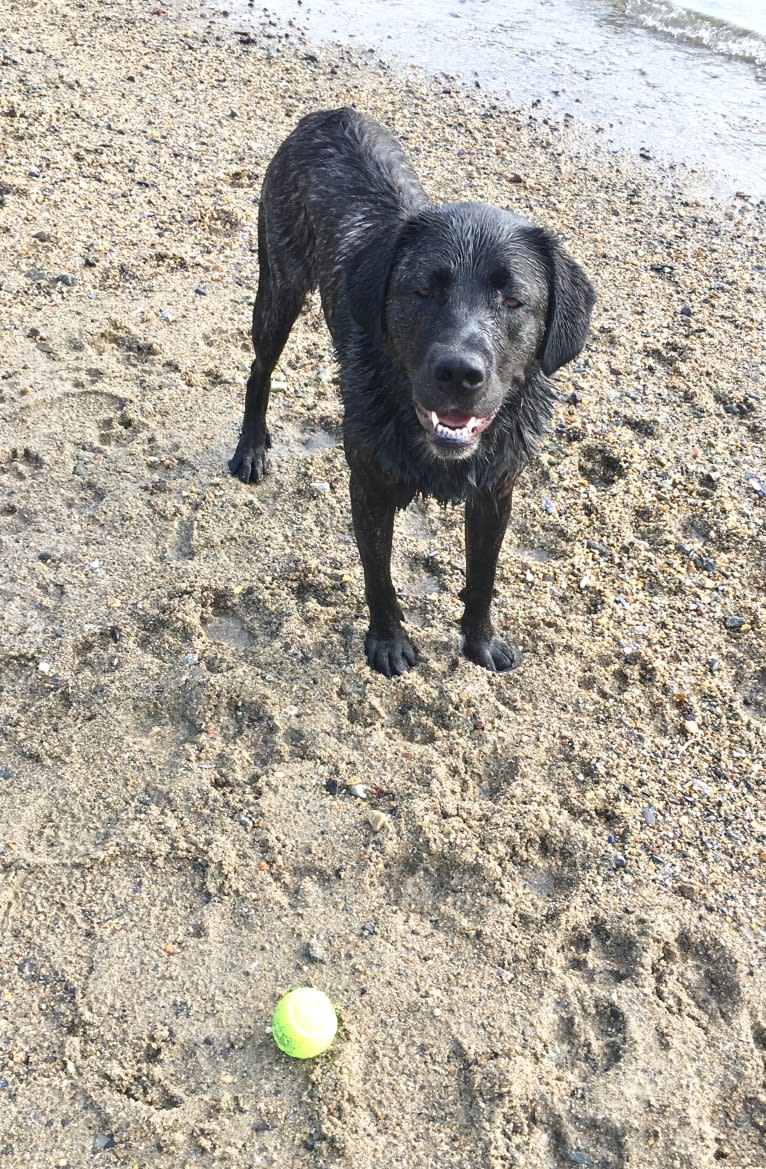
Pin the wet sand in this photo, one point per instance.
(541, 918)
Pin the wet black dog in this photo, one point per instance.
(446, 321)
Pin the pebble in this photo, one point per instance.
(377, 820)
(321, 488)
(191, 660)
(734, 622)
(360, 790)
(597, 546)
(315, 951)
(650, 816)
(579, 1157)
(691, 726)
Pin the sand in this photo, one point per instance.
(541, 916)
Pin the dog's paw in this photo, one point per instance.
(493, 653)
(390, 655)
(249, 463)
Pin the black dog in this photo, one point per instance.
(446, 321)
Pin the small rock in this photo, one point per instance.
(579, 1157)
(315, 951)
(691, 727)
(65, 279)
(650, 816)
(360, 790)
(549, 505)
(42, 236)
(597, 546)
(191, 660)
(200, 290)
(320, 488)
(36, 275)
(104, 1140)
(685, 310)
(377, 820)
(734, 622)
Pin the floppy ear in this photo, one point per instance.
(570, 302)
(367, 279)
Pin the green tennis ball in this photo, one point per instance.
(304, 1023)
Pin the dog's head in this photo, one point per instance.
(471, 302)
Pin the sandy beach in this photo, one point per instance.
(537, 899)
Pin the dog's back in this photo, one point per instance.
(337, 180)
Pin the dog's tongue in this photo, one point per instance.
(455, 419)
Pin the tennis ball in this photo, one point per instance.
(304, 1023)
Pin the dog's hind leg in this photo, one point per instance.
(282, 290)
(486, 518)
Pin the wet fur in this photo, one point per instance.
(342, 209)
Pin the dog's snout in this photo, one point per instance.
(459, 371)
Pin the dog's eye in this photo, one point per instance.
(424, 292)
(511, 302)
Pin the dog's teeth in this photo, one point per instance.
(435, 420)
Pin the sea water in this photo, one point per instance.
(675, 82)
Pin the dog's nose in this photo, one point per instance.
(458, 371)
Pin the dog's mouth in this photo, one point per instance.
(453, 426)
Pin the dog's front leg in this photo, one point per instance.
(373, 508)
(486, 519)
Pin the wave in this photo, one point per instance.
(696, 28)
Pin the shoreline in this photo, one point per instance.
(537, 901)
(643, 135)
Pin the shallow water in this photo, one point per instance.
(676, 83)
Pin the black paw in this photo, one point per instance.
(250, 462)
(390, 655)
(493, 653)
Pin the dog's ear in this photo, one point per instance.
(570, 302)
(367, 280)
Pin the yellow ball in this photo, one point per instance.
(304, 1023)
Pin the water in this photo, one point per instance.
(680, 83)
